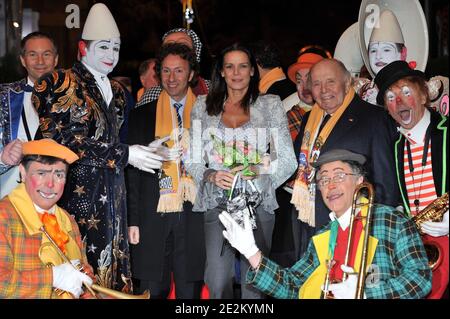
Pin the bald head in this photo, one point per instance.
(329, 81)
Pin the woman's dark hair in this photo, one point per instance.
(218, 91)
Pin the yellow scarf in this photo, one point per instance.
(311, 289)
(175, 185)
(303, 195)
(30, 219)
(271, 77)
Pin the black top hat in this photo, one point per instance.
(390, 74)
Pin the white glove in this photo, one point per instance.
(143, 158)
(67, 278)
(168, 154)
(436, 229)
(240, 238)
(347, 288)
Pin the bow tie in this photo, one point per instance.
(27, 88)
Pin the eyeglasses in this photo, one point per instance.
(338, 178)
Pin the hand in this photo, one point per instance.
(240, 238)
(67, 278)
(168, 154)
(347, 288)
(88, 270)
(12, 153)
(436, 229)
(133, 235)
(84, 268)
(240, 168)
(143, 158)
(222, 179)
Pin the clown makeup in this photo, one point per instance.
(44, 182)
(381, 54)
(103, 55)
(405, 103)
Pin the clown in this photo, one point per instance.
(386, 45)
(400, 33)
(80, 109)
(420, 153)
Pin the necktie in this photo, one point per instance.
(324, 121)
(177, 107)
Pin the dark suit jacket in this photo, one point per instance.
(143, 196)
(438, 134)
(282, 88)
(365, 129)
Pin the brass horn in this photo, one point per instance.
(94, 287)
(363, 264)
(433, 212)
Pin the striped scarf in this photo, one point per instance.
(304, 192)
(175, 185)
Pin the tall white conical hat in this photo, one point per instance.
(100, 24)
(347, 50)
(411, 21)
(389, 29)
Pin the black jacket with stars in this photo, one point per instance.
(73, 112)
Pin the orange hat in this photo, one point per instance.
(304, 61)
(49, 147)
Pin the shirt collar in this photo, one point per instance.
(344, 220)
(29, 82)
(99, 77)
(416, 135)
(182, 101)
(42, 211)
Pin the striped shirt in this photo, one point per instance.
(419, 183)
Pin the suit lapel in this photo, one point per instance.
(90, 85)
(399, 166)
(15, 101)
(343, 125)
(438, 132)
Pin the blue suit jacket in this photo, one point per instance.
(11, 105)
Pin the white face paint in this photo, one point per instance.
(381, 54)
(103, 55)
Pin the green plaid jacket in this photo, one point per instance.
(400, 260)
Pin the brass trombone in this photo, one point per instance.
(94, 287)
(363, 264)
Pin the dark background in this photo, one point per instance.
(290, 24)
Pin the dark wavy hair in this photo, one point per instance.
(184, 52)
(218, 91)
(267, 54)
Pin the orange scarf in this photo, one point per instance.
(270, 78)
(175, 185)
(304, 192)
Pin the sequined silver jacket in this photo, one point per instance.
(266, 114)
